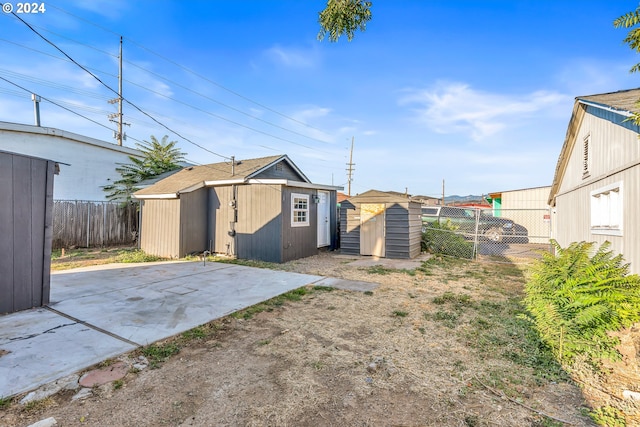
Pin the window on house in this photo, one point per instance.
(586, 156)
(606, 210)
(299, 210)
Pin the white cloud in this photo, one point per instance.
(457, 108)
(112, 9)
(291, 57)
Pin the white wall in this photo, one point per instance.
(90, 163)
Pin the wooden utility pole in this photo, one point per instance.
(119, 135)
(350, 169)
(443, 192)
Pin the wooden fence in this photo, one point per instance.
(93, 224)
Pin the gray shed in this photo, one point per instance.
(26, 194)
(262, 209)
(382, 224)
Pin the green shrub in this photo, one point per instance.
(440, 238)
(579, 295)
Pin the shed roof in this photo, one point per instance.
(377, 196)
(194, 177)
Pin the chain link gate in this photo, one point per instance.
(473, 233)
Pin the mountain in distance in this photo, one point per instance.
(464, 199)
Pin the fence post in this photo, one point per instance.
(88, 222)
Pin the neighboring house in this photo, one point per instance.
(382, 224)
(263, 209)
(595, 193)
(26, 189)
(426, 200)
(91, 162)
(528, 207)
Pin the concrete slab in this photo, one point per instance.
(103, 311)
(146, 303)
(43, 346)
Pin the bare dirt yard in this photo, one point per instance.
(441, 345)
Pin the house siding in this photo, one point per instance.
(193, 224)
(89, 165)
(298, 242)
(25, 226)
(614, 157)
(528, 208)
(280, 170)
(577, 227)
(258, 230)
(349, 228)
(220, 216)
(160, 228)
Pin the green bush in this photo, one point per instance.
(440, 238)
(579, 295)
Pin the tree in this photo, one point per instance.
(158, 157)
(343, 17)
(629, 20)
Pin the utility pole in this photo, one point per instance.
(350, 169)
(443, 192)
(119, 135)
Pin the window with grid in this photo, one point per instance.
(606, 210)
(299, 210)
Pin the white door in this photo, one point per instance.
(324, 217)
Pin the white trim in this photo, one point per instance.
(156, 196)
(224, 182)
(17, 127)
(606, 108)
(307, 210)
(294, 184)
(612, 205)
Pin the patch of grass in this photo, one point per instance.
(447, 318)
(248, 263)
(198, 332)
(38, 405)
(317, 365)
(5, 402)
(400, 313)
(378, 269)
(294, 295)
(456, 300)
(264, 342)
(608, 416)
(323, 288)
(156, 354)
(135, 255)
(117, 384)
(368, 293)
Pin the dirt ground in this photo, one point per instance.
(428, 347)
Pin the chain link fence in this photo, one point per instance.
(93, 224)
(473, 233)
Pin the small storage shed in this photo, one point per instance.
(382, 224)
(26, 203)
(263, 209)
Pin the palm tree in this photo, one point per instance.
(158, 157)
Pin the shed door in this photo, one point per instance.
(372, 229)
(324, 229)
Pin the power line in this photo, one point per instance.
(112, 90)
(176, 100)
(55, 103)
(190, 71)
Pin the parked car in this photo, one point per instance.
(464, 220)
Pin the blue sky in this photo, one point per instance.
(476, 93)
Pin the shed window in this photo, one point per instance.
(299, 210)
(606, 210)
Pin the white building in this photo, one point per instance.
(596, 189)
(86, 164)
